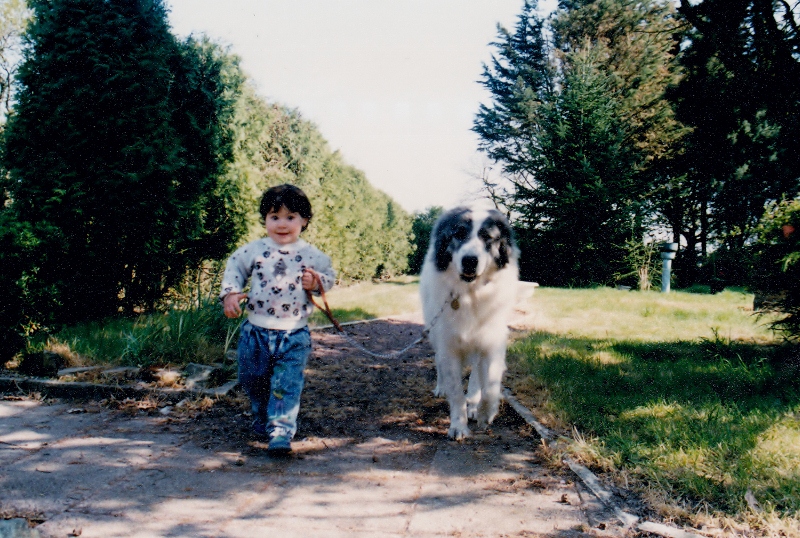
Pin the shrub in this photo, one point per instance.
(421, 228)
(775, 277)
(10, 294)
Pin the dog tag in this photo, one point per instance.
(454, 304)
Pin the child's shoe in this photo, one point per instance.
(280, 445)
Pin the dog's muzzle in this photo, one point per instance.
(469, 268)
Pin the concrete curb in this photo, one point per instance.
(76, 389)
(592, 482)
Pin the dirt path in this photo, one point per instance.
(371, 458)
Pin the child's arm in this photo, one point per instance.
(234, 279)
(231, 304)
(324, 269)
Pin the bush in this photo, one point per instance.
(421, 229)
(643, 264)
(775, 278)
(11, 316)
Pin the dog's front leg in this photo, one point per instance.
(438, 390)
(450, 369)
(473, 390)
(490, 369)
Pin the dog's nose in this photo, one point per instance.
(469, 264)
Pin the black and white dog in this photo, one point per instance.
(469, 286)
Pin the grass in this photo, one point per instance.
(179, 337)
(648, 316)
(686, 397)
(370, 300)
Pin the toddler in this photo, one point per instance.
(275, 343)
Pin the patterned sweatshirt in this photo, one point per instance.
(276, 299)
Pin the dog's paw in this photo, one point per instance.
(459, 432)
(481, 424)
(483, 419)
(438, 391)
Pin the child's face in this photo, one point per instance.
(284, 226)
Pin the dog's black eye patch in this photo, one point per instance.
(461, 233)
(489, 234)
(451, 231)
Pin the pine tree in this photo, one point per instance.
(639, 41)
(636, 43)
(741, 96)
(582, 131)
(587, 198)
(519, 80)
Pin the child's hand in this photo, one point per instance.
(309, 280)
(231, 304)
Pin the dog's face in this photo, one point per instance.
(472, 242)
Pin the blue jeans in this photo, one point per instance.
(271, 364)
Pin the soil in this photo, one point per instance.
(352, 396)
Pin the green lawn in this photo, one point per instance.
(369, 300)
(685, 397)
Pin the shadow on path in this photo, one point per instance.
(371, 458)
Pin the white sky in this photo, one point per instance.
(392, 84)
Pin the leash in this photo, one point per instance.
(327, 309)
(452, 300)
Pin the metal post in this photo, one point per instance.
(668, 251)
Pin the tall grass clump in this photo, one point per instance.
(705, 424)
(175, 337)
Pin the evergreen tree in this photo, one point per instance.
(741, 96)
(587, 199)
(14, 16)
(639, 41)
(421, 229)
(520, 80)
(636, 44)
(363, 230)
(114, 148)
(582, 130)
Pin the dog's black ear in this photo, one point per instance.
(498, 236)
(502, 256)
(450, 231)
(443, 255)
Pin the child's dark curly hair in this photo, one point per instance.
(288, 196)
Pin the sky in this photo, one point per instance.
(391, 84)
